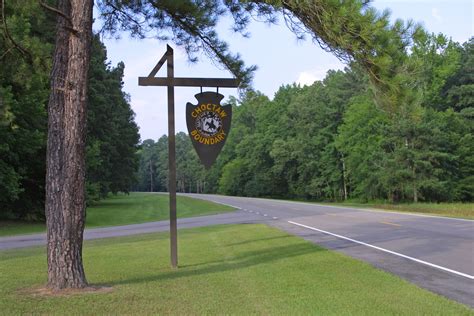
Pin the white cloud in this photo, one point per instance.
(435, 13)
(308, 77)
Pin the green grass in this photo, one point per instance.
(461, 210)
(10, 228)
(127, 209)
(145, 207)
(229, 269)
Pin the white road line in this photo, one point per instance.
(333, 206)
(265, 215)
(258, 213)
(237, 207)
(275, 217)
(362, 209)
(386, 250)
(251, 211)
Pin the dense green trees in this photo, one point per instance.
(153, 167)
(458, 90)
(112, 134)
(23, 95)
(332, 141)
(351, 29)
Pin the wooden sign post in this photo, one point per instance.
(170, 81)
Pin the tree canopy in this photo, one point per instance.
(417, 111)
(331, 141)
(112, 134)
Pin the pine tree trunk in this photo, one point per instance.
(344, 178)
(151, 177)
(415, 191)
(65, 174)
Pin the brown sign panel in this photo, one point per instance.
(208, 125)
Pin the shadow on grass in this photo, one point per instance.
(242, 261)
(255, 240)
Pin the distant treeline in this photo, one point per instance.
(331, 141)
(112, 135)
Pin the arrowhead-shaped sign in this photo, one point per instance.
(208, 125)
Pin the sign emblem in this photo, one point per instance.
(208, 125)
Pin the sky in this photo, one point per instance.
(281, 58)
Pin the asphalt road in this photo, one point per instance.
(22, 241)
(435, 253)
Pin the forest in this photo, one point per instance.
(335, 140)
(332, 141)
(395, 125)
(112, 134)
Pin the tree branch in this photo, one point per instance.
(20, 48)
(54, 10)
(207, 44)
(61, 14)
(6, 52)
(128, 16)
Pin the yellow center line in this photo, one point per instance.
(388, 223)
(340, 215)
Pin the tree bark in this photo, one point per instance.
(415, 190)
(344, 178)
(65, 173)
(151, 177)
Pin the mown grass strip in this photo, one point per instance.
(125, 209)
(458, 210)
(229, 269)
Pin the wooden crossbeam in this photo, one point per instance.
(188, 82)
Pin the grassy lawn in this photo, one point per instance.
(127, 209)
(10, 228)
(228, 269)
(461, 210)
